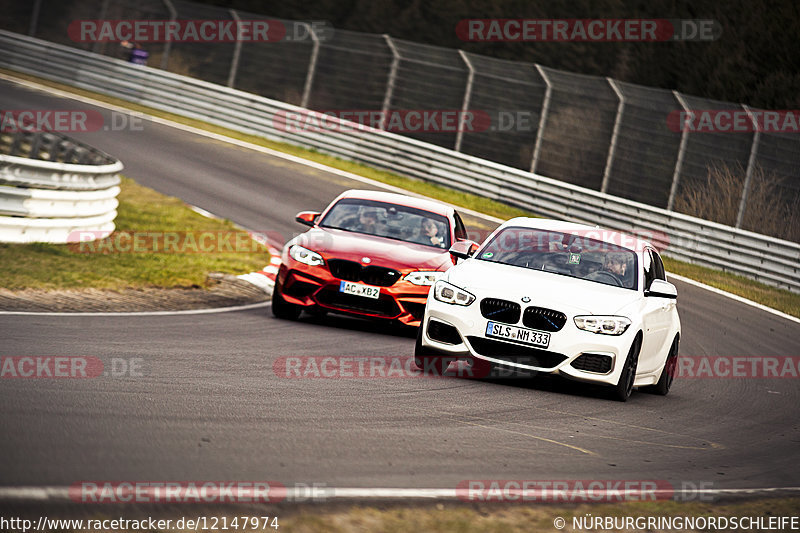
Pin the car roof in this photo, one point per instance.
(631, 241)
(400, 199)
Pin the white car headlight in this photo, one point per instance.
(423, 277)
(607, 325)
(450, 294)
(306, 256)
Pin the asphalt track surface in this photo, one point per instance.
(210, 407)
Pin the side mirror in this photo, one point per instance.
(463, 249)
(306, 218)
(661, 289)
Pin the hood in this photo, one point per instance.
(340, 244)
(545, 289)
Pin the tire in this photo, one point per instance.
(668, 373)
(623, 389)
(283, 309)
(430, 364)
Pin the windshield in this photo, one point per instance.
(565, 254)
(389, 220)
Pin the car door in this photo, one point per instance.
(656, 315)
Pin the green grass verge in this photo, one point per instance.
(141, 210)
(781, 300)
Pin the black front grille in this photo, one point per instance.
(515, 353)
(439, 331)
(544, 319)
(417, 310)
(593, 362)
(384, 306)
(371, 275)
(500, 310)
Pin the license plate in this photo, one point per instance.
(357, 289)
(513, 333)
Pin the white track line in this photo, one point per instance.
(301, 494)
(335, 171)
(146, 313)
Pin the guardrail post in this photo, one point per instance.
(751, 163)
(542, 119)
(612, 147)
(676, 175)
(173, 15)
(387, 96)
(37, 7)
(465, 103)
(237, 48)
(312, 66)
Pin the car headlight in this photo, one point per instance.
(423, 277)
(305, 256)
(607, 325)
(450, 294)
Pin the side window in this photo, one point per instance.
(658, 266)
(461, 231)
(648, 265)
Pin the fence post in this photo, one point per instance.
(99, 47)
(751, 163)
(614, 135)
(37, 7)
(676, 175)
(465, 103)
(387, 97)
(312, 65)
(173, 15)
(237, 48)
(542, 119)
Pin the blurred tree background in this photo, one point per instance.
(756, 60)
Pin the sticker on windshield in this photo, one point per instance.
(574, 259)
(487, 255)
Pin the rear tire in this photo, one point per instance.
(668, 373)
(622, 391)
(283, 309)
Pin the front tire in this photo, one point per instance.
(426, 361)
(283, 309)
(622, 391)
(668, 373)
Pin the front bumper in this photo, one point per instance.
(316, 287)
(460, 332)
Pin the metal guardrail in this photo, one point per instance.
(766, 259)
(52, 186)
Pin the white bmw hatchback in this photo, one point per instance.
(555, 297)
